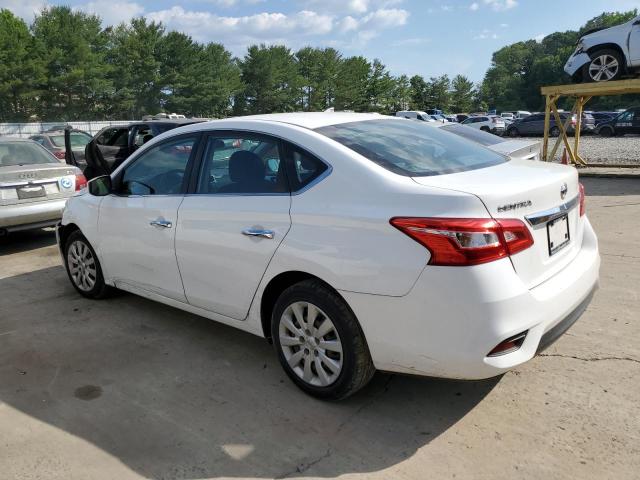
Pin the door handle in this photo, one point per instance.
(161, 222)
(250, 232)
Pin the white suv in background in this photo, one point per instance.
(605, 55)
(487, 123)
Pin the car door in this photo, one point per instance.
(231, 225)
(634, 43)
(113, 144)
(624, 122)
(137, 223)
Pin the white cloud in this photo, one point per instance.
(409, 42)
(538, 38)
(341, 7)
(486, 34)
(500, 5)
(25, 9)
(474, 6)
(112, 12)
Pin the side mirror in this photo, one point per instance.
(100, 186)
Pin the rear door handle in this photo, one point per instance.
(161, 222)
(250, 232)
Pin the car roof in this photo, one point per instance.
(313, 120)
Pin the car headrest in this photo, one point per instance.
(245, 167)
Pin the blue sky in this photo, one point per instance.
(426, 37)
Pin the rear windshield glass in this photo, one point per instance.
(23, 153)
(411, 148)
(473, 134)
(77, 139)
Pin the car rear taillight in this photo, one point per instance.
(466, 241)
(59, 154)
(81, 182)
(581, 188)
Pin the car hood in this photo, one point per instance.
(597, 36)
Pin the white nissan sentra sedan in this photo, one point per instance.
(355, 242)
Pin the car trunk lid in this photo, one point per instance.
(530, 192)
(35, 183)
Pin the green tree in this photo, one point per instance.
(461, 94)
(380, 88)
(270, 76)
(419, 93)
(135, 60)
(72, 47)
(352, 85)
(401, 94)
(21, 69)
(438, 93)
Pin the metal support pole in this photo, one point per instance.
(547, 123)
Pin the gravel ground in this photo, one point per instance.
(595, 149)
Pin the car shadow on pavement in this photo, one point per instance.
(174, 395)
(610, 187)
(27, 240)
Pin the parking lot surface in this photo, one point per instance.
(596, 149)
(127, 389)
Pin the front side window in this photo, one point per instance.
(160, 170)
(242, 163)
(411, 148)
(78, 139)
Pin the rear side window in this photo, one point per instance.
(305, 168)
(411, 148)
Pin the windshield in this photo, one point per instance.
(78, 139)
(473, 134)
(411, 148)
(23, 153)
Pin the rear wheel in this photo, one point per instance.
(554, 131)
(84, 268)
(605, 65)
(513, 132)
(319, 342)
(485, 129)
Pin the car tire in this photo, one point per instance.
(612, 61)
(485, 129)
(326, 356)
(83, 267)
(513, 132)
(606, 132)
(554, 131)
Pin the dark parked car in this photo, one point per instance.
(112, 145)
(626, 122)
(600, 117)
(534, 125)
(53, 140)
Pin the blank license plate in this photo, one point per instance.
(558, 234)
(31, 192)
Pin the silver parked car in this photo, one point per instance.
(522, 149)
(34, 185)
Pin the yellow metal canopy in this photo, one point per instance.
(583, 92)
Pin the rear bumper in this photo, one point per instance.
(31, 215)
(454, 317)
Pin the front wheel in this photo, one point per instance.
(319, 342)
(554, 131)
(84, 268)
(605, 66)
(606, 132)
